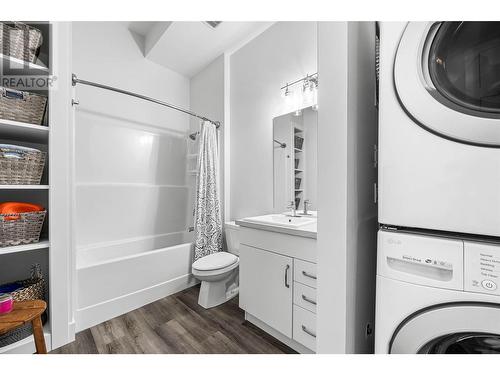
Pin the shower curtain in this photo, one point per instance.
(208, 219)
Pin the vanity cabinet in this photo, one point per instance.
(278, 285)
(266, 287)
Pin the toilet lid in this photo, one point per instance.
(215, 261)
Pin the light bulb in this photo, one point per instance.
(315, 96)
(308, 94)
(298, 102)
(289, 99)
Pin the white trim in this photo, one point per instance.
(227, 138)
(92, 315)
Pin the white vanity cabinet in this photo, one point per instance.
(266, 287)
(278, 285)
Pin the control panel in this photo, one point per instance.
(482, 268)
(422, 260)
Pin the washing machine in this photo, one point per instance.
(437, 295)
(439, 126)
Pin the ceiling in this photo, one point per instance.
(187, 47)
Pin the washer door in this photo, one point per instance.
(447, 77)
(458, 328)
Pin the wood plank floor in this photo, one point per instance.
(177, 324)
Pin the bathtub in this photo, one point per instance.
(115, 278)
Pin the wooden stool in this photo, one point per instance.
(22, 313)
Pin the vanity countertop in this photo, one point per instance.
(308, 230)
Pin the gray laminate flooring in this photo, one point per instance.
(176, 324)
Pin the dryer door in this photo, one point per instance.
(455, 328)
(447, 77)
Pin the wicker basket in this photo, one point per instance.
(21, 165)
(20, 41)
(22, 106)
(23, 229)
(298, 142)
(33, 288)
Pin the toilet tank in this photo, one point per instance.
(232, 237)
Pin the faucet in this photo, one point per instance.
(292, 207)
(306, 203)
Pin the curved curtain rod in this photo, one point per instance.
(75, 80)
(282, 144)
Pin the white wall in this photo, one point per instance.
(207, 99)
(347, 224)
(283, 53)
(130, 155)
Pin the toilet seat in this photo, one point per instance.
(216, 261)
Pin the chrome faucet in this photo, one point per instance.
(292, 207)
(306, 203)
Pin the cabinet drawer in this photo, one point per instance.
(304, 327)
(304, 296)
(304, 272)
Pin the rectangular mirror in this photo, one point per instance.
(295, 139)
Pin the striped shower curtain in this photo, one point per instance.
(208, 218)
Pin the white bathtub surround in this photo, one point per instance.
(208, 219)
(130, 185)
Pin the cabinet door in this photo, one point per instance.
(266, 282)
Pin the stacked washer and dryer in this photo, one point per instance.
(438, 267)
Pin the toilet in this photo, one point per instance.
(218, 272)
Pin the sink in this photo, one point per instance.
(281, 220)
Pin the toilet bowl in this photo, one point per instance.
(218, 272)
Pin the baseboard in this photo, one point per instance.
(278, 335)
(92, 315)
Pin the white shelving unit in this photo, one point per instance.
(298, 153)
(53, 250)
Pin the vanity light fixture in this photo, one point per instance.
(304, 96)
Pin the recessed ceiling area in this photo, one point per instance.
(187, 47)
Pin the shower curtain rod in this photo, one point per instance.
(75, 80)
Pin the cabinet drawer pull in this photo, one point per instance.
(286, 276)
(309, 275)
(304, 328)
(308, 300)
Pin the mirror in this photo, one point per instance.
(295, 137)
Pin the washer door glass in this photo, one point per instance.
(447, 79)
(464, 65)
(460, 343)
(457, 327)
